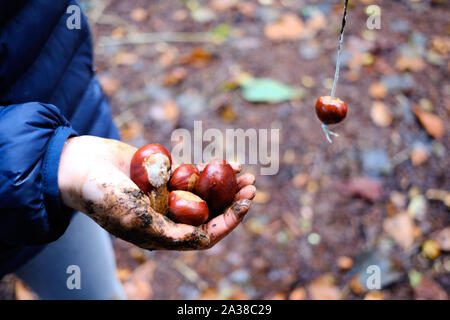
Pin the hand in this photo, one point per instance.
(93, 177)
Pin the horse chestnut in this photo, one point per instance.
(150, 167)
(188, 208)
(184, 178)
(217, 185)
(150, 171)
(330, 110)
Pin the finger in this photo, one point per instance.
(248, 192)
(245, 180)
(223, 224)
(234, 165)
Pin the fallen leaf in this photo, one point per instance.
(345, 263)
(414, 64)
(125, 58)
(430, 249)
(323, 288)
(268, 90)
(261, 197)
(378, 90)
(419, 155)
(223, 5)
(357, 286)
(138, 286)
(428, 289)
(227, 113)
(138, 14)
(441, 44)
(197, 57)
(380, 114)
(367, 188)
(171, 110)
(431, 122)
(300, 180)
(288, 27)
(374, 295)
(298, 293)
(109, 85)
(130, 130)
(401, 228)
(175, 76)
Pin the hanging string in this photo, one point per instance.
(338, 60)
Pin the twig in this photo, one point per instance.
(154, 37)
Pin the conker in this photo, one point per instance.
(217, 185)
(150, 167)
(150, 171)
(184, 178)
(188, 208)
(330, 110)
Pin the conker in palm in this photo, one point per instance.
(150, 171)
(217, 185)
(188, 208)
(184, 178)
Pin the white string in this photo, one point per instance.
(338, 60)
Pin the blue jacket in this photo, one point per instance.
(48, 92)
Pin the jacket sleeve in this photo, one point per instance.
(32, 136)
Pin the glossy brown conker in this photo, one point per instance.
(188, 208)
(330, 110)
(217, 185)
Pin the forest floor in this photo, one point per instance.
(377, 196)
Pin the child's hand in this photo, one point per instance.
(93, 177)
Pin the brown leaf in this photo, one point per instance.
(138, 286)
(125, 58)
(419, 155)
(401, 228)
(298, 293)
(367, 188)
(323, 288)
(261, 197)
(431, 122)
(223, 5)
(138, 14)
(175, 76)
(378, 90)
(414, 64)
(380, 114)
(288, 27)
(345, 263)
(130, 130)
(109, 85)
(197, 57)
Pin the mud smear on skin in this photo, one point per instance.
(148, 230)
(240, 208)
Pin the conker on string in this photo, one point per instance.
(330, 110)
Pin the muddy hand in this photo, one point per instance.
(93, 177)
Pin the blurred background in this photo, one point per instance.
(379, 195)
